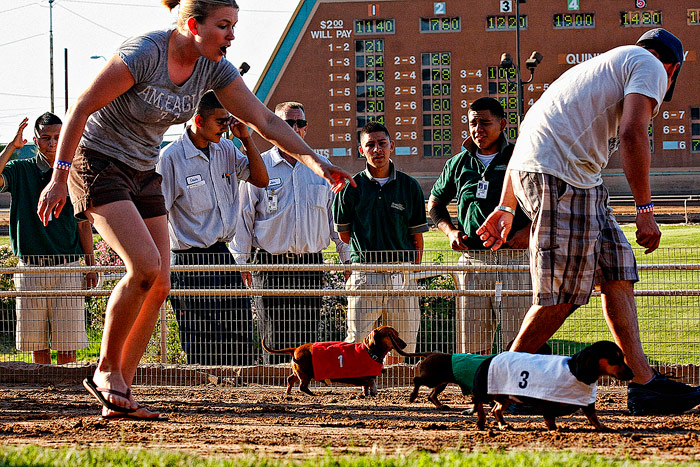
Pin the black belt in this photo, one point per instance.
(47, 261)
(218, 247)
(288, 255)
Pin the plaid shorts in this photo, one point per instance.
(576, 242)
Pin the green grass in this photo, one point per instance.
(672, 236)
(70, 457)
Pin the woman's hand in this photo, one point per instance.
(334, 175)
(51, 200)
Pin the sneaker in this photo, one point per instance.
(661, 396)
(520, 408)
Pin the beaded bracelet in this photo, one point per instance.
(62, 165)
(645, 208)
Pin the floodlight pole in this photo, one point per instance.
(65, 70)
(51, 50)
(521, 104)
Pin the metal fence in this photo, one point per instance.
(211, 327)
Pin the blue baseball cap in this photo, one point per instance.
(669, 47)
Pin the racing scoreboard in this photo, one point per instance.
(416, 65)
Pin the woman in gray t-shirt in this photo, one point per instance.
(111, 137)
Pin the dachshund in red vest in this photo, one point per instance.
(341, 362)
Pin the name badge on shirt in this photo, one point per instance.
(194, 181)
(481, 189)
(271, 201)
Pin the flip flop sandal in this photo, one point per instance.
(97, 393)
(131, 416)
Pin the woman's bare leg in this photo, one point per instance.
(122, 227)
(137, 341)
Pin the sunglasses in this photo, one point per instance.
(299, 123)
(230, 120)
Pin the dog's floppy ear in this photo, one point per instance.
(584, 365)
(396, 340)
(371, 339)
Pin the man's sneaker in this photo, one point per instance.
(661, 396)
(520, 408)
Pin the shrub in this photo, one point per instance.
(8, 318)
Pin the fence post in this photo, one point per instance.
(163, 334)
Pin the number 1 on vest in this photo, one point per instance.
(340, 359)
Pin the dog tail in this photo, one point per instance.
(404, 354)
(289, 350)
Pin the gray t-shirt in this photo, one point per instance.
(131, 127)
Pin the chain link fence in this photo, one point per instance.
(210, 329)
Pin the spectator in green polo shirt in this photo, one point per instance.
(53, 322)
(383, 220)
(474, 178)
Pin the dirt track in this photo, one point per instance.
(228, 421)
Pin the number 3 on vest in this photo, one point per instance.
(525, 375)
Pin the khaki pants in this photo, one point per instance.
(56, 322)
(478, 318)
(366, 312)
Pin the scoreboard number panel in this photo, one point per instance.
(416, 65)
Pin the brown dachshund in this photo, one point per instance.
(332, 360)
(602, 358)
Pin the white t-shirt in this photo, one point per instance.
(571, 131)
(486, 158)
(382, 180)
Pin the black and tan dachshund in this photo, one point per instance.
(603, 358)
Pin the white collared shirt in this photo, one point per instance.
(292, 215)
(201, 193)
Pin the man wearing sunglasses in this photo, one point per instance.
(201, 170)
(288, 222)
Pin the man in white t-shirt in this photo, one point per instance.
(595, 108)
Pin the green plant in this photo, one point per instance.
(7, 305)
(437, 329)
(333, 309)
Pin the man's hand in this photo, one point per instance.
(458, 240)
(494, 231)
(239, 129)
(520, 240)
(91, 280)
(19, 141)
(648, 233)
(247, 279)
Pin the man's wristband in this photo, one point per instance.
(645, 208)
(62, 165)
(506, 209)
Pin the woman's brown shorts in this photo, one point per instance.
(96, 179)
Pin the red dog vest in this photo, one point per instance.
(336, 360)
